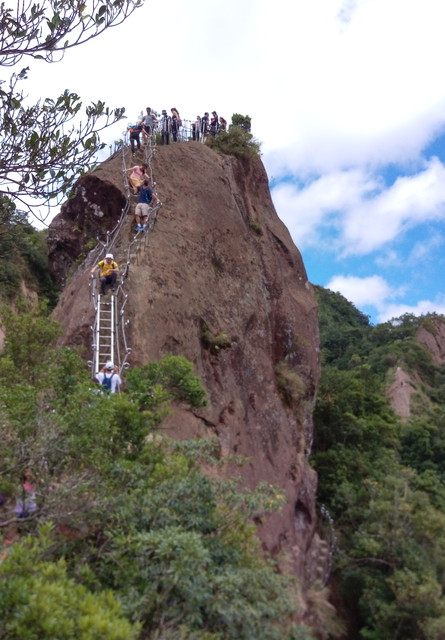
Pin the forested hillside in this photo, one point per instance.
(381, 478)
(23, 255)
(108, 528)
(133, 540)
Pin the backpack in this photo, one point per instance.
(106, 383)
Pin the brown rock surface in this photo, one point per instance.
(219, 260)
(95, 209)
(400, 392)
(432, 337)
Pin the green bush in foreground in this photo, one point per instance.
(39, 601)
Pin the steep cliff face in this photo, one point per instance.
(408, 385)
(432, 337)
(218, 261)
(95, 209)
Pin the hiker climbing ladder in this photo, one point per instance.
(109, 328)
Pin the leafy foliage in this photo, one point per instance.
(381, 479)
(24, 255)
(46, 146)
(38, 600)
(122, 512)
(42, 30)
(237, 141)
(245, 122)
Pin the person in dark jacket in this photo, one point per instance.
(135, 131)
(166, 127)
(204, 126)
(214, 124)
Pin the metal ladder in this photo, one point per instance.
(109, 329)
(105, 331)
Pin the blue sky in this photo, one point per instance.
(348, 100)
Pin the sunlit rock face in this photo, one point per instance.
(217, 280)
(432, 337)
(406, 386)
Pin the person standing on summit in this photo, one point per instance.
(204, 126)
(148, 124)
(176, 122)
(214, 124)
(196, 128)
(166, 127)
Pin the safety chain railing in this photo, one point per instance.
(115, 347)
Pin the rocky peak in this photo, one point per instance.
(431, 336)
(218, 263)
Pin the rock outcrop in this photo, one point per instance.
(219, 262)
(407, 385)
(94, 209)
(400, 391)
(431, 336)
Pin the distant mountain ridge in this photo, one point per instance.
(379, 451)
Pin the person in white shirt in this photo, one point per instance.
(109, 378)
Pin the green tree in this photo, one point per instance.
(238, 141)
(244, 122)
(381, 479)
(39, 601)
(46, 146)
(130, 515)
(24, 256)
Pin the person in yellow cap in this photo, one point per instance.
(108, 272)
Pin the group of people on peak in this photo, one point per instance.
(205, 125)
(169, 125)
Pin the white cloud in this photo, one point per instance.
(410, 201)
(364, 93)
(423, 250)
(355, 209)
(388, 258)
(422, 307)
(372, 290)
(316, 210)
(375, 291)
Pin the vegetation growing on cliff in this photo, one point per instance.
(23, 254)
(382, 480)
(237, 141)
(125, 516)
